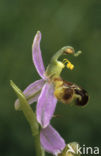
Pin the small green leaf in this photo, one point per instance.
(26, 108)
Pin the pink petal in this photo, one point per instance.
(51, 140)
(46, 105)
(31, 90)
(36, 55)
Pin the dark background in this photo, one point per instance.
(62, 22)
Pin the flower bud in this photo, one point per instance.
(70, 150)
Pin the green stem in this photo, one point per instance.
(31, 118)
(61, 52)
(39, 151)
(55, 67)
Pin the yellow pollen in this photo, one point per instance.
(69, 65)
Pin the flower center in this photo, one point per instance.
(55, 67)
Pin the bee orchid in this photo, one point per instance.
(46, 91)
(50, 87)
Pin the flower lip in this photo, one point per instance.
(66, 92)
(63, 91)
(82, 101)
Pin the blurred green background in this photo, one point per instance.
(62, 22)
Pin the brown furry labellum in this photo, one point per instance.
(67, 92)
(83, 97)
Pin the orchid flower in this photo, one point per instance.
(50, 87)
(46, 91)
